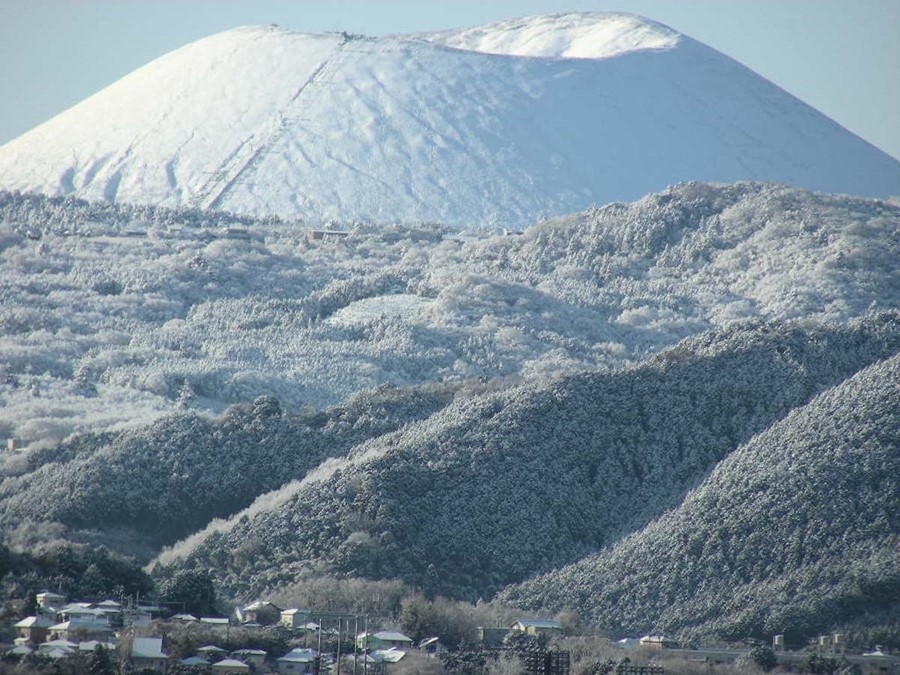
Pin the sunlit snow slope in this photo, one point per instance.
(499, 125)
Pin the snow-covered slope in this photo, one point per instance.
(499, 125)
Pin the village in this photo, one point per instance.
(140, 639)
(109, 636)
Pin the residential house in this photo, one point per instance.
(255, 657)
(262, 612)
(184, 617)
(57, 649)
(35, 628)
(658, 642)
(47, 599)
(211, 652)
(298, 662)
(81, 629)
(147, 653)
(295, 619)
(431, 645)
(215, 621)
(491, 636)
(195, 662)
(384, 639)
(538, 627)
(392, 655)
(230, 667)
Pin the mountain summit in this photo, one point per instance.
(498, 125)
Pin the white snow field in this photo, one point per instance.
(496, 126)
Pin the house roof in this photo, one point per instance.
(34, 622)
(91, 645)
(391, 636)
(218, 620)
(194, 661)
(294, 610)
(655, 639)
(249, 652)
(108, 603)
(299, 655)
(260, 604)
(184, 617)
(392, 655)
(147, 648)
(20, 650)
(230, 664)
(211, 648)
(53, 644)
(539, 623)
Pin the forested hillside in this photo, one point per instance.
(146, 487)
(236, 398)
(111, 316)
(498, 486)
(796, 532)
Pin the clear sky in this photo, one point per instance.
(840, 56)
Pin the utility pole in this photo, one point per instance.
(340, 628)
(355, 649)
(366, 646)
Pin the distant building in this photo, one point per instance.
(538, 627)
(658, 642)
(317, 235)
(295, 619)
(230, 667)
(492, 636)
(262, 612)
(255, 657)
(81, 629)
(35, 629)
(147, 653)
(297, 662)
(48, 599)
(384, 639)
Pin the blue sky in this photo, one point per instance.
(840, 56)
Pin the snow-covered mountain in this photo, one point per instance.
(499, 125)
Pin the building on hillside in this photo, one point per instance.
(391, 655)
(431, 645)
(185, 618)
(384, 639)
(318, 235)
(196, 662)
(211, 652)
(88, 646)
(48, 599)
(35, 628)
(298, 662)
(538, 627)
(492, 636)
(147, 653)
(230, 667)
(255, 657)
(81, 629)
(658, 642)
(215, 621)
(295, 619)
(262, 612)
